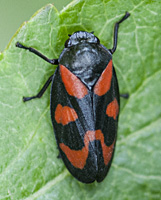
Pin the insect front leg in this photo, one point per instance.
(39, 95)
(51, 61)
(116, 32)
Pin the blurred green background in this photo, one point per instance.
(14, 12)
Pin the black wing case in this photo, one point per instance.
(106, 101)
(73, 122)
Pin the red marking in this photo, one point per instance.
(104, 82)
(112, 109)
(107, 151)
(73, 85)
(78, 157)
(65, 114)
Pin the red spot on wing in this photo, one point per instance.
(107, 150)
(72, 84)
(78, 157)
(64, 115)
(104, 82)
(112, 109)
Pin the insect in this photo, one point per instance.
(84, 104)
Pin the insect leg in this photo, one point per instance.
(116, 32)
(59, 156)
(39, 95)
(51, 61)
(125, 95)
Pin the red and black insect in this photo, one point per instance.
(84, 104)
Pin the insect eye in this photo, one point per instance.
(66, 43)
(98, 41)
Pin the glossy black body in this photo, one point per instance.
(87, 60)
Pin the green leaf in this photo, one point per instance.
(29, 168)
